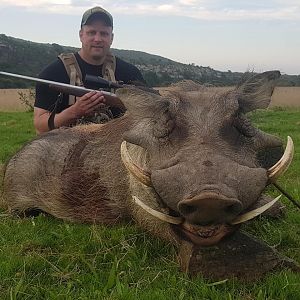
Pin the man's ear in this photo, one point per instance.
(80, 34)
(112, 38)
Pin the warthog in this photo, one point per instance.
(185, 166)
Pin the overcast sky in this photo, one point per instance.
(232, 35)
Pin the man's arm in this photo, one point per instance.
(83, 106)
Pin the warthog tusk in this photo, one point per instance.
(158, 214)
(282, 165)
(140, 174)
(254, 213)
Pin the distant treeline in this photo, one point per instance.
(29, 58)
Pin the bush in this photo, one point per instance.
(27, 99)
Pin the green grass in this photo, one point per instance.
(46, 258)
(15, 129)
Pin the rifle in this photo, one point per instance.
(78, 91)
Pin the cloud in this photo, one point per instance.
(213, 10)
(33, 3)
(189, 2)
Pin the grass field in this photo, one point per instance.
(45, 258)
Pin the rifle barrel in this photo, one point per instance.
(58, 86)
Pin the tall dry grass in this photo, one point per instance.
(10, 99)
(282, 96)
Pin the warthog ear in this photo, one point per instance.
(256, 91)
(151, 116)
(138, 99)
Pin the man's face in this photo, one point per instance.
(96, 39)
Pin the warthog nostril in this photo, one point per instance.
(187, 209)
(233, 209)
(209, 207)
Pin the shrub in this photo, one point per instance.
(27, 99)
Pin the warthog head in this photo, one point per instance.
(202, 158)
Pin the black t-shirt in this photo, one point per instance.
(46, 97)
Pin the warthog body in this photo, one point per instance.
(207, 163)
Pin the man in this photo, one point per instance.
(94, 58)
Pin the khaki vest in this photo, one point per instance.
(71, 65)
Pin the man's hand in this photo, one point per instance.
(87, 104)
(84, 106)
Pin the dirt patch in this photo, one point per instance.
(282, 96)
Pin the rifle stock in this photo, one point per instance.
(78, 91)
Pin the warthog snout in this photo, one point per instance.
(209, 207)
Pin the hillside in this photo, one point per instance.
(29, 58)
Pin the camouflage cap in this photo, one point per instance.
(97, 11)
